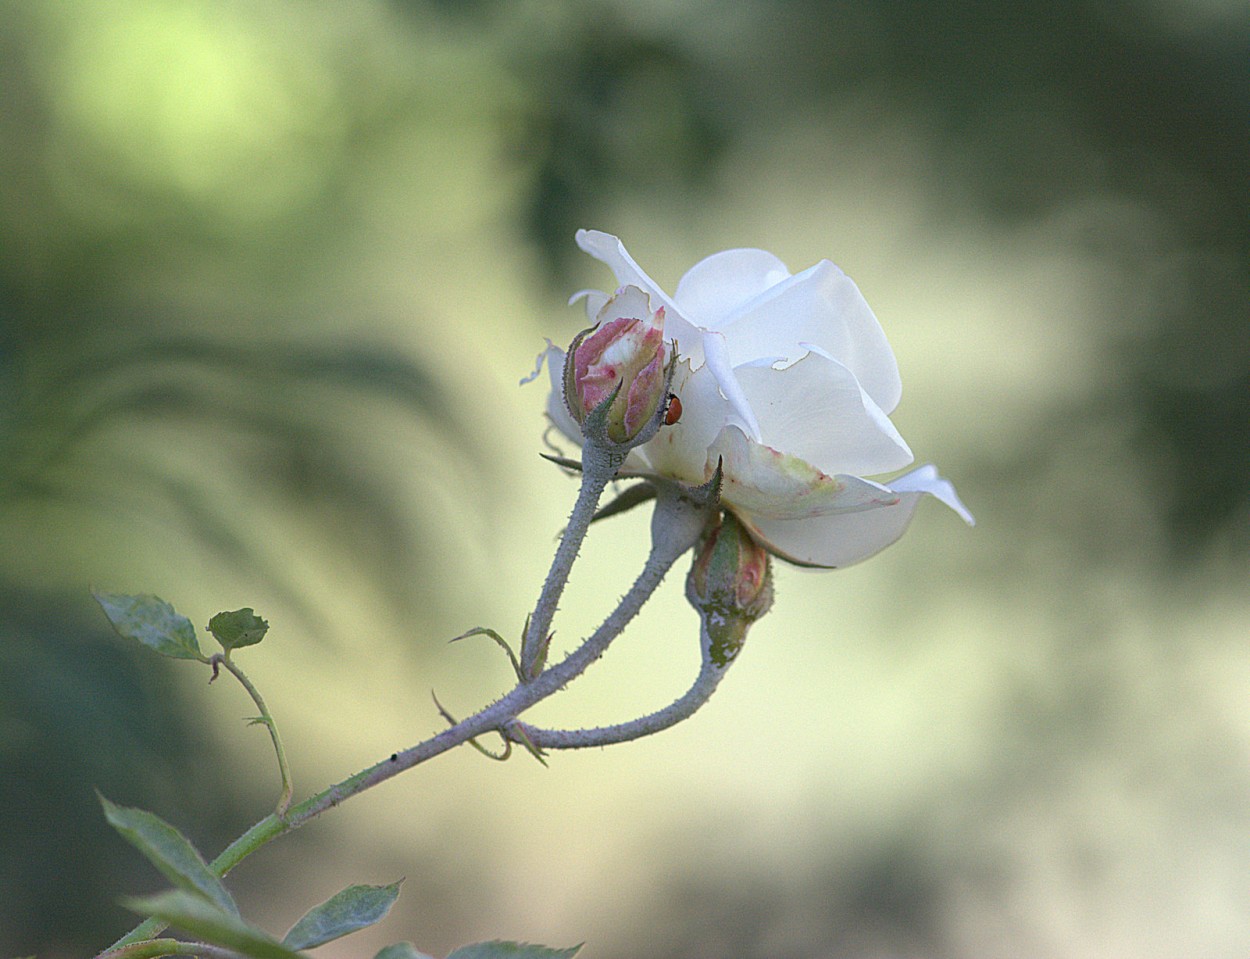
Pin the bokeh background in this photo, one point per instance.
(269, 275)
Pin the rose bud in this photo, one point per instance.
(730, 584)
(615, 380)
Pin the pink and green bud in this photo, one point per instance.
(731, 586)
(616, 370)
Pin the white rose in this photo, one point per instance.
(788, 381)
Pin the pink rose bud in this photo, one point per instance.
(731, 586)
(617, 368)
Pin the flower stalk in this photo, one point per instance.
(786, 382)
(709, 677)
(264, 719)
(679, 519)
(599, 465)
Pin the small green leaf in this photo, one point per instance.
(511, 950)
(204, 920)
(401, 950)
(502, 643)
(356, 907)
(153, 622)
(237, 629)
(170, 852)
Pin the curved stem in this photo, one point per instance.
(675, 527)
(599, 465)
(265, 719)
(683, 708)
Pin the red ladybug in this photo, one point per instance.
(672, 412)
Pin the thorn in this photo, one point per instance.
(517, 730)
(451, 721)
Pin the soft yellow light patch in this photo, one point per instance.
(195, 101)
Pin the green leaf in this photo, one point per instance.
(356, 907)
(170, 852)
(153, 622)
(502, 643)
(401, 950)
(239, 628)
(511, 950)
(205, 921)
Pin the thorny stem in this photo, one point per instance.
(675, 527)
(683, 708)
(599, 465)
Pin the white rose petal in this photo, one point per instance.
(557, 411)
(714, 288)
(607, 249)
(762, 482)
(788, 381)
(838, 540)
(817, 410)
(821, 309)
(680, 451)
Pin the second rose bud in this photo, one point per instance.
(622, 359)
(731, 585)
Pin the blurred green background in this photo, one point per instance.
(269, 275)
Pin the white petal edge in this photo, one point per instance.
(716, 356)
(594, 301)
(843, 539)
(609, 250)
(926, 479)
(816, 409)
(718, 285)
(820, 308)
(557, 412)
(764, 483)
(538, 363)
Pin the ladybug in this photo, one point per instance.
(672, 412)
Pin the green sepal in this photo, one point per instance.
(205, 921)
(596, 424)
(355, 908)
(153, 622)
(170, 852)
(517, 732)
(512, 950)
(539, 659)
(238, 628)
(563, 461)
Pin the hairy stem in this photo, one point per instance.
(598, 467)
(675, 527)
(683, 708)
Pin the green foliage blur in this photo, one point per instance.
(204, 209)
